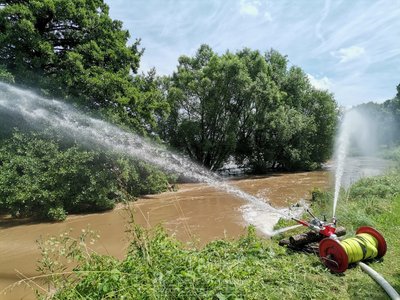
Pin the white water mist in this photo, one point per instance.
(64, 118)
(357, 134)
(342, 145)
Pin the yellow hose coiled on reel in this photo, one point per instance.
(367, 244)
(361, 247)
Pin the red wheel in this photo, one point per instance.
(382, 246)
(333, 255)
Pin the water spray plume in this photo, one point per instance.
(357, 134)
(341, 153)
(64, 118)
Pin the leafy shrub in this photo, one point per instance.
(39, 178)
(159, 267)
(56, 214)
(380, 187)
(392, 154)
(5, 75)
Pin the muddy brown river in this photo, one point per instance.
(195, 212)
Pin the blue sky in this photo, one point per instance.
(350, 47)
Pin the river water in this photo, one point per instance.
(195, 213)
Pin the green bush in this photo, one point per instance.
(56, 214)
(6, 76)
(39, 178)
(380, 187)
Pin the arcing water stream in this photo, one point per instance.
(64, 118)
(196, 210)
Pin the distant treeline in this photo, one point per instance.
(384, 120)
(246, 106)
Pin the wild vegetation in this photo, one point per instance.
(158, 266)
(251, 107)
(246, 106)
(46, 179)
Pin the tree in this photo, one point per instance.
(292, 124)
(54, 38)
(323, 111)
(72, 49)
(249, 106)
(207, 95)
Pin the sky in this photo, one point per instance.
(349, 47)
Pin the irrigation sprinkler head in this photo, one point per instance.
(322, 227)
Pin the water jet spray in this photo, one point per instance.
(41, 112)
(368, 243)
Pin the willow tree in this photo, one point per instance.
(294, 124)
(207, 96)
(250, 107)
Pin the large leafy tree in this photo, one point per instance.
(63, 40)
(72, 49)
(292, 124)
(207, 95)
(249, 106)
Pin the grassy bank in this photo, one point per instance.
(159, 267)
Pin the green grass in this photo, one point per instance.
(159, 267)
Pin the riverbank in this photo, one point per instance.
(158, 266)
(249, 268)
(195, 213)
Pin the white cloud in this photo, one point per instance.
(348, 54)
(323, 83)
(249, 7)
(348, 42)
(268, 16)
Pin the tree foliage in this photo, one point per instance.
(384, 120)
(72, 49)
(248, 106)
(206, 98)
(6, 76)
(38, 178)
(64, 41)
